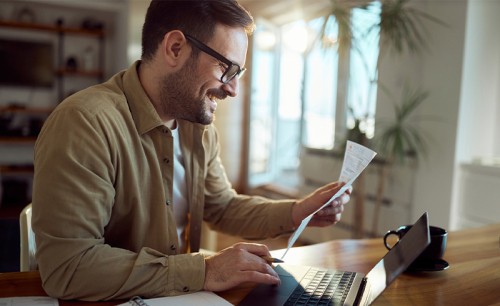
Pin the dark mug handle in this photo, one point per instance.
(397, 233)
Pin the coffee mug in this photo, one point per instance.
(433, 252)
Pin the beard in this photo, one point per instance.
(180, 99)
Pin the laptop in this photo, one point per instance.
(303, 285)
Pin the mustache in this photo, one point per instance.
(217, 93)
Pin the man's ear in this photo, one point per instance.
(174, 48)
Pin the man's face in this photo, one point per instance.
(192, 93)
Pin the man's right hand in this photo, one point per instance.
(237, 264)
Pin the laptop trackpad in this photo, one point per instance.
(270, 295)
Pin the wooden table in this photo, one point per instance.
(473, 277)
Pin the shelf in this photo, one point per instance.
(52, 28)
(21, 169)
(26, 110)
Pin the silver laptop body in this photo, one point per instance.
(342, 287)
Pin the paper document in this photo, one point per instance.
(29, 301)
(356, 158)
(200, 298)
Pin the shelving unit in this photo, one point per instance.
(62, 71)
(21, 123)
(66, 29)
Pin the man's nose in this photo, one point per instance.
(231, 87)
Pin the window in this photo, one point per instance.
(297, 96)
(362, 92)
(262, 127)
(320, 88)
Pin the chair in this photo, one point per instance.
(28, 245)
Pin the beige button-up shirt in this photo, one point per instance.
(102, 195)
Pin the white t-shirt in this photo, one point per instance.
(180, 205)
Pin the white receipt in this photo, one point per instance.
(356, 158)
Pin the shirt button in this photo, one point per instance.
(172, 247)
(166, 160)
(168, 203)
(165, 130)
(185, 289)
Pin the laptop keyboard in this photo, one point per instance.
(321, 287)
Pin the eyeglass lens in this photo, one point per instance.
(232, 72)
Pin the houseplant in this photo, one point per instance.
(402, 30)
(400, 141)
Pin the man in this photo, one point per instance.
(126, 171)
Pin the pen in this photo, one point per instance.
(270, 259)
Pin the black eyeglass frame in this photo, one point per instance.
(237, 73)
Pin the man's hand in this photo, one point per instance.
(237, 264)
(328, 215)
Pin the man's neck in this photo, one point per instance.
(147, 77)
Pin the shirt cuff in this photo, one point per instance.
(187, 273)
(280, 218)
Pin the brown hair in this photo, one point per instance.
(195, 17)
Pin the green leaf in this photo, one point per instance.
(401, 137)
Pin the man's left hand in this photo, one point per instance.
(330, 214)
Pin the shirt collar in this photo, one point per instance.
(145, 116)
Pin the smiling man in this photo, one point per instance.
(127, 170)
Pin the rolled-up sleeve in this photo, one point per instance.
(251, 217)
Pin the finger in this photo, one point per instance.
(346, 197)
(257, 263)
(265, 268)
(327, 219)
(327, 191)
(333, 189)
(254, 276)
(323, 221)
(229, 267)
(253, 248)
(349, 190)
(341, 200)
(330, 210)
(261, 267)
(332, 185)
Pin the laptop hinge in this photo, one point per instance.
(361, 290)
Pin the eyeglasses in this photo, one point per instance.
(231, 71)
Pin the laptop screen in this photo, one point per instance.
(399, 258)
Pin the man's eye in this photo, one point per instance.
(222, 66)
